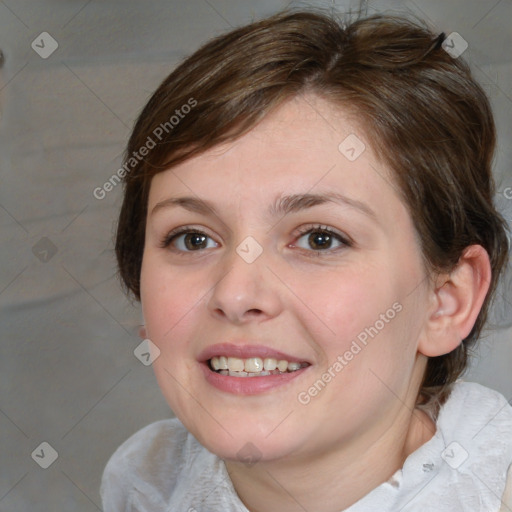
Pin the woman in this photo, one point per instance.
(313, 241)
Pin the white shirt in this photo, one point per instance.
(463, 468)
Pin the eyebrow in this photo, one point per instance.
(191, 204)
(283, 205)
(296, 202)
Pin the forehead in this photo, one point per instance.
(301, 126)
(305, 145)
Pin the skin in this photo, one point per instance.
(309, 303)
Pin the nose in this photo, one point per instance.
(246, 292)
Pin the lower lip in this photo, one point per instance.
(248, 385)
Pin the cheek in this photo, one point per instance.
(364, 318)
(169, 297)
(345, 304)
(170, 300)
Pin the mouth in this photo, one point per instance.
(242, 369)
(253, 366)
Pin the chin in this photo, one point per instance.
(245, 440)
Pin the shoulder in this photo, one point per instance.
(479, 420)
(467, 390)
(472, 409)
(464, 466)
(152, 441)
(148, 463)
(162, 467)
(476, 428)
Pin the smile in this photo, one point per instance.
(253, 366)
(228, 366)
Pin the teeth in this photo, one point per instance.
(237, 374)
(252, 366)
(270, 363)
(235, 364)
(282, 365)
(219, 363)
(292, 367)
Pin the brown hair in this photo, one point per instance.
(425, 116)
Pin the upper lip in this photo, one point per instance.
(246, 351)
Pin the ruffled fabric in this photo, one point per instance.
(463, 468)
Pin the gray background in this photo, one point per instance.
(68, 373)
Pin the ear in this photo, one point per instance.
(456, 302)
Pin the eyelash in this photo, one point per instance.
(345, 241)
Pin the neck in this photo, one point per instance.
(355, 467)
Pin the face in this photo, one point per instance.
(284, 248)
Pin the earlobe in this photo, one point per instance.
(457, 300)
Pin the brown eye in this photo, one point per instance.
(195, 241)
(190, 241)
(320, 240)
